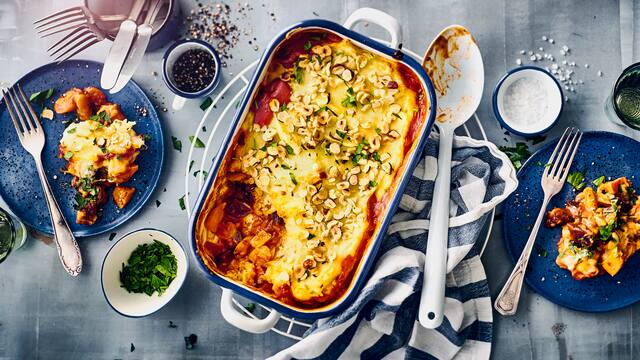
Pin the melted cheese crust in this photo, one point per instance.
(328, 154)
(89, 146)
(600, 229)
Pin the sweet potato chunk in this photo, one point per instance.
(66, 103)
(97, 97)
(113, 110)
(122, 195)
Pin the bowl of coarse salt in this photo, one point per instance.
(527, 101)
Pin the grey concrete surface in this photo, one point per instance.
(47, 315)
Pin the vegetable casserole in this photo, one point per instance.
(600, 229)
(101, 149)
(311, 171)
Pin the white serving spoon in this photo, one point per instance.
(454, 63)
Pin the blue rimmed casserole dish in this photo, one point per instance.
(411, 158)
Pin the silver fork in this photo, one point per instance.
(70, 18)
(553, 178)
(85, 31)
(31, 137)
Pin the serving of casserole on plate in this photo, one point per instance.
(312, 169)
(599, 229)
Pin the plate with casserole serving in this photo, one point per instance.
(585, 256)
(103, 153)
(292, 213)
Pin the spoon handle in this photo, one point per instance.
(431, 309)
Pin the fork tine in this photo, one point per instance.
(67, 40)
(12, 115)
(551, 161)
(77, 49)
(565, 173)
(16, 111)
(34, 118)
(75, 9)
(20, 103)
(562, 158)
(70, 27)
(77, 21)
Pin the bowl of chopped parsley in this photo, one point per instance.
(143, 271)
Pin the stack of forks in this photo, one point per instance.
(79, 23)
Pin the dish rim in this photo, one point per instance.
(369, 256)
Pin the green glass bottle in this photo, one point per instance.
(13, 234)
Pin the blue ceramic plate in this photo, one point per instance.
(600, 153)
(19, 184)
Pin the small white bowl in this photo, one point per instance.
(132, 304)
(548, 84)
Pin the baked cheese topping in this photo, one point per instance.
(89, 146)
(329, 151)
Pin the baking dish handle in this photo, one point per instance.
(379, 18)
(231, 314)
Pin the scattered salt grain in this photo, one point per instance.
(518, 61)
(544, 38)
(599, 73)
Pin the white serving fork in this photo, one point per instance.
(32, 138)
(553, 179)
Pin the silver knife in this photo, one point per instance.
(120, 47)
(138, 48)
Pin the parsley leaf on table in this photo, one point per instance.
(517, 154)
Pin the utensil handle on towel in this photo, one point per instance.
(431, 310)
(507, 301)
(243, 322)
(379, 18)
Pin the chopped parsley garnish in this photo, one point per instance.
(132, 348)
(297, 73)
(311, 236)
(307, 45)
(607, 230)
(293, 179)
(68, 155)
(350, 100)
(283, 107)
(285, 166)
(378, 131)
(375, 156)
(71, 131)
(289, 149)
(250, 307)
(191, 164)
(172, 325)
(576, 179)
(150, 268)
(517, 154)
(204, 173)
(598, 181)
(204, 105)
(112, 236)
(177, 144)
(181, 203)
(41, 96)
(101, 116)
(190, 341)
(341, 134)
(373, 183)
(541, 251)
(325, 108)
(158, 203)
(196, 142)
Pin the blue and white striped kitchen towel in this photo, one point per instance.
(382, 321)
